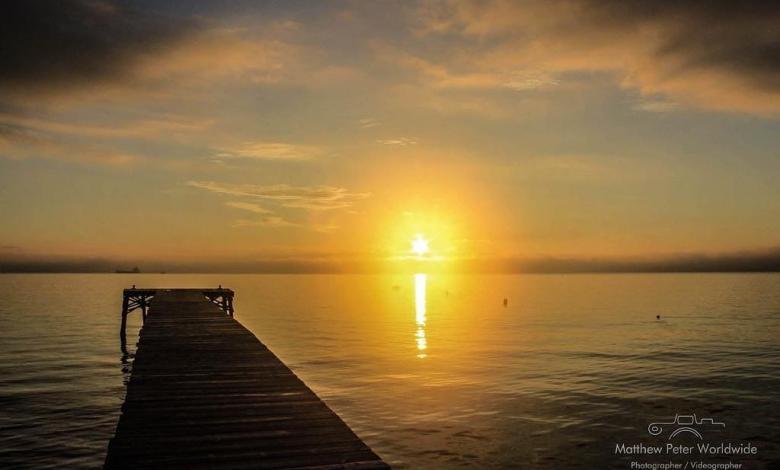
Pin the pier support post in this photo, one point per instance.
(143, 310)
(123, 327)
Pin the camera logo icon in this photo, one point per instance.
(682, 424)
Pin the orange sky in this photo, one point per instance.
(337, 131)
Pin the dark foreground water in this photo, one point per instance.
(433, 372)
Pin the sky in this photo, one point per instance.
(330, 134)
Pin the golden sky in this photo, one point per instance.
(334, 132)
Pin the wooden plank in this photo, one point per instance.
(206, 393)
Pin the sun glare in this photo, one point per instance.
(419, 245)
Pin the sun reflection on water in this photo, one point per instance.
(420, 311)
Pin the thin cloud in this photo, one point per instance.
(525, 81)
(271, 151)
(18, 143)
(400, 141)
(368, 123)
(248, 206)
(301, 197)
(326, 228)
(583, 168)
(656, 106)
(270, 221)
(157, 126)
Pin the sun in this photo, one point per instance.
(420, 245)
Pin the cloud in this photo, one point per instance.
(69, 43)
(526, 80)
(326, 228)
(248, 206)
(401, 141)
(656, 106)
(19, 143)
(438, 74)
(301, 197)
(270, 221)
(713, 55)
(598, 169)
(271, 151)
(368, 123)
(80, 51)
(158, 126)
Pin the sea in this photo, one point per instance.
(436, 371)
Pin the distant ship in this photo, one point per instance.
(135, 270)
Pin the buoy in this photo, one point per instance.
(658, 317)
(506, 301)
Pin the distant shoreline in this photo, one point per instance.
(153, 273)
(758, 261)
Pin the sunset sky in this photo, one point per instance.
(335, 132)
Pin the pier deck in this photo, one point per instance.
(206, 393)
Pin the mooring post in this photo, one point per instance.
(122, 334)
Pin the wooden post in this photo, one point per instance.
(122, 334)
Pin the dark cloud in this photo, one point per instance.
(712, 54)
(736, 37)
(55, 44)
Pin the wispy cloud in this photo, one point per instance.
(23, 143)
(326, 228)
(525, 81)
(271, 151)
(156, 126)
(302, 197)
(656, 106)
(594, 168)
(248, 206)
(271, 221)
(367, 123)
(401, 141)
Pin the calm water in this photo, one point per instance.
(432, 371)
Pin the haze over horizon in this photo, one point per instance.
(516, 136)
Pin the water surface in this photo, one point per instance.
(432, 371)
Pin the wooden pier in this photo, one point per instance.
(206, 393)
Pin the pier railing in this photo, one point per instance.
(139, 299)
